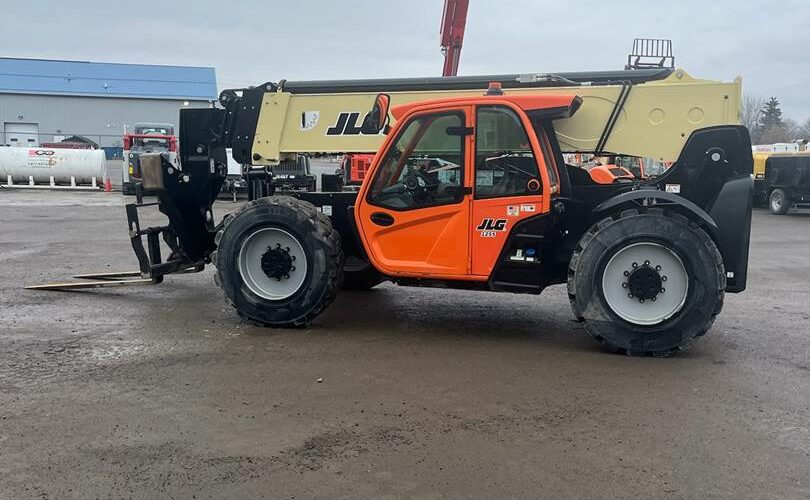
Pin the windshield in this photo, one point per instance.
(150, 145)
(653, 167)
(155, 129)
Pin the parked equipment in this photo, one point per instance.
(354, 168)
(786, 183)
(145, 138)
(52, 167)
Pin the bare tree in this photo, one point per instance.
(786, 131)
(804, 130)
(793, 130)
(750, 113)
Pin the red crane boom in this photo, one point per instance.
(454, 20)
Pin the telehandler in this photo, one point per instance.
(469, 190)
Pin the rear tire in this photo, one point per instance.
(646, 283)
(779, 202)
(279, 261)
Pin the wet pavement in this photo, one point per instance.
(161, 392)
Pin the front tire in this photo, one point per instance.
(279, 261)
(779, 202)
(646, 282)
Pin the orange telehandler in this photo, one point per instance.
(465, 192)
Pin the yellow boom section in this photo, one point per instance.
(655, 120)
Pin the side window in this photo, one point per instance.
(553, 178)
(504, 162)
(424, 166)
(551, 156)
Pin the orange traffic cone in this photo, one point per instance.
(108, 186)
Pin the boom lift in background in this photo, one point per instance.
(454, 21)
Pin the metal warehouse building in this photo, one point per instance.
(48, 101)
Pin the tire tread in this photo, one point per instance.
(307, 215)
(603, 224)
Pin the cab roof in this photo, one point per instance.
(556, 105)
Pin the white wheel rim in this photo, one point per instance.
(250, 263)
(776, 200)
(617, 285)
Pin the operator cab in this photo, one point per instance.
(453, 178)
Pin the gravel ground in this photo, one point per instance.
(161, 392)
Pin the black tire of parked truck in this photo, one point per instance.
(646, 282)
(779, 202)
(279, 261)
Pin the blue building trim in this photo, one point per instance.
(52, 77)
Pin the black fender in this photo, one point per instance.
(731, 210)
(729, 231)
(655, 194)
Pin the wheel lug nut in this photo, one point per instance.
(653, 299)
(635, 265)
(646, 262)
(663, 290)
(641, 301)
(657, 268)
(630, 295)
(663, 278)
(624, 285)
(627, 273)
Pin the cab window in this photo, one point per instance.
(504, 162)
(424, 165)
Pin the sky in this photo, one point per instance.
(253, 41)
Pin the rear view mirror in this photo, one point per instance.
(376, 119)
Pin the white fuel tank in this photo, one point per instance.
(61, 164)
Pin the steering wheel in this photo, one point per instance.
(418, 183)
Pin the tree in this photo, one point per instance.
(771, 115)
(750, 112)
(804, 130)
(776, 133)
(787, 131)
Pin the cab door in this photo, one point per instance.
(512, 183)
(414, 215)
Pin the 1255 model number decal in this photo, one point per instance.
(491, 227)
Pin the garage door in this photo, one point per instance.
(24, 135)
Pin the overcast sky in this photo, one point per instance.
(249, 42)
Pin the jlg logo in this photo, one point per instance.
(347, 124)
(490, 227)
